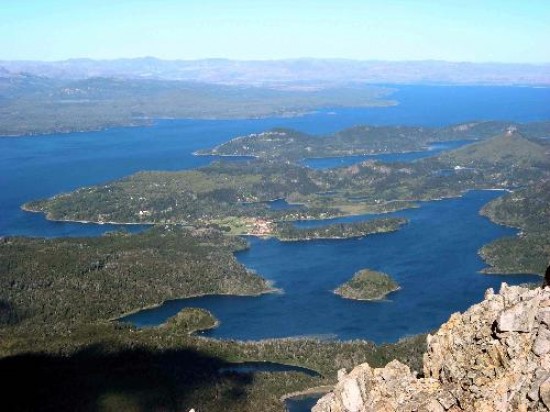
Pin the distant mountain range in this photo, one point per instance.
(297, 73)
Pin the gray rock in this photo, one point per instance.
(447, 400)
(468, 365)
(545, 392)
(519, 318)
(542, 343)
(543, 316)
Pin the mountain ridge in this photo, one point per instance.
(285, 72)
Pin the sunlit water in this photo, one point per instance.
(434, 258)
(343, 161)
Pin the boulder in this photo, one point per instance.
(493, 357)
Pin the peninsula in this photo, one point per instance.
(288, 232)
(62, 302)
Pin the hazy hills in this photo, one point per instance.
(31, 104)
(289, 73)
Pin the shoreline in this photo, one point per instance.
(198, 295)
(381, 298)
(414, 205)
(151, 120)
(317, 390)
(309, 239)
(92, 222)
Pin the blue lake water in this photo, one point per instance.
(343, 161)
(434, 258)
(37, 166)
(301, 403)
(252, 367)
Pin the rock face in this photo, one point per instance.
(493, 357)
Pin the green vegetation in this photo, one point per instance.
(39, 105)
(367, 285)
(529, 210)
(58, 297)
(359, 140)
(56, 338)
(289, 232)
(207, 195)
(190, 320)
(230, 194)
(524, 254)
(105, 277)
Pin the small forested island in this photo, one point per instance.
(289, 232)
(58, 328)
(191, 320)
(58, 310)
(367, 285)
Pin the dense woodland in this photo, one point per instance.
(367, 285)
(289, 232)
(529, 210)
(102, 278)
(58, 297)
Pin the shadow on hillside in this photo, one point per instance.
(131, 380)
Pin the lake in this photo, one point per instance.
(434, 258)
(301, 403)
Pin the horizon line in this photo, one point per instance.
(266, 60)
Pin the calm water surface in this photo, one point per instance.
(301, 404)
(343, 161)
(434, 258)
(37, 167)
(252, 367)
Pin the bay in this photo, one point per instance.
(434, 258)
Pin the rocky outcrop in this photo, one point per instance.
(493, 357)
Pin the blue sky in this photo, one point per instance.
(467, 30)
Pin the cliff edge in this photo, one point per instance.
(493, 357)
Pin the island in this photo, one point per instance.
(236, 195)
(289, 232)
(59, 327)
(60, 310)
(367, 285)
(191, 320)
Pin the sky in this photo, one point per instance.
(506, 31)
